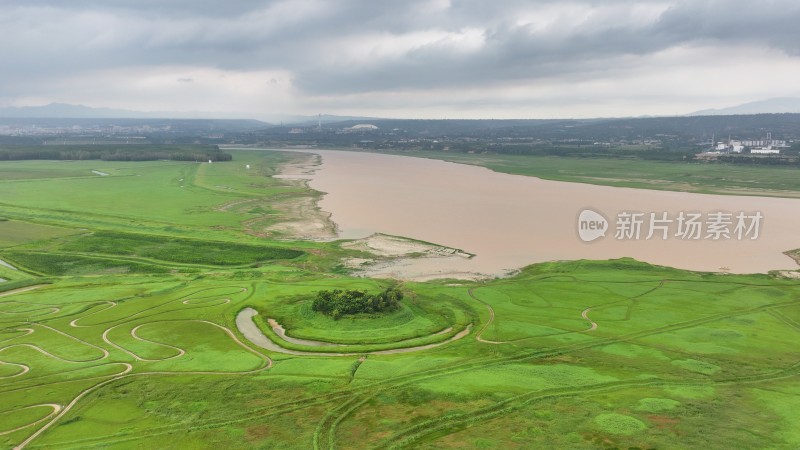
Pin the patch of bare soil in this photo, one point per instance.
(301, 167)
(391, 246)
(301, 218)
(789, 274)
(399, 257)
(296, 215)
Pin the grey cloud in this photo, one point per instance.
(516, 53)
(164, 8)
(766, 22)
(308, 38)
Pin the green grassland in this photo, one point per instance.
(14, 233)
(175, 249)
(32, 170)
(707, 178)
(120, 331)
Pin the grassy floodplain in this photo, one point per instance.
(704, 178)
(116, 335)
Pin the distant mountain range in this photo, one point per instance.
(68, 111)
(771, 106)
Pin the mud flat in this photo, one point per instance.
(386, 245)
(396, 257)
(301, 168)
(303, 218)
(298, 216)
(510, 221)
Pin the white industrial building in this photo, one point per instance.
(766, 146)
(768, 150)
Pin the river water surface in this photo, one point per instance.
(510, 221)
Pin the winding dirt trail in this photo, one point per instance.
(74, 323)
(58, 411)
(248, 328)
(29, 313)
(478, 337)
(24, 369)
(127, 373)
(281, 332)
(585, 315)
(101, 349)
(21, 290)
(180, 351)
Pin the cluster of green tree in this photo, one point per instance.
(115, 153)
(768, 160)
(681, 129)
(338, 303)
(593, 151)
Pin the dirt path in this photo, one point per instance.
(246, 326)
(396, 351)
(180, 351)
(30, 312)
(21, 290)
(194, 300)
(281, 332)
(74, 323)
(479, 338)
(585, 315)
(127, 373)
(23, 368)
(488, 323)
(56, 409)
(101, 349)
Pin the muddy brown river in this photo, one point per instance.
(510, 221)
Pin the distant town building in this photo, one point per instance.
(766, 146)
(765, 151)
(360, 127)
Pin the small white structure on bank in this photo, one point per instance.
(768, 150)
(766, 146)
(361, 127)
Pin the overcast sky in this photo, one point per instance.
(410, 58)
